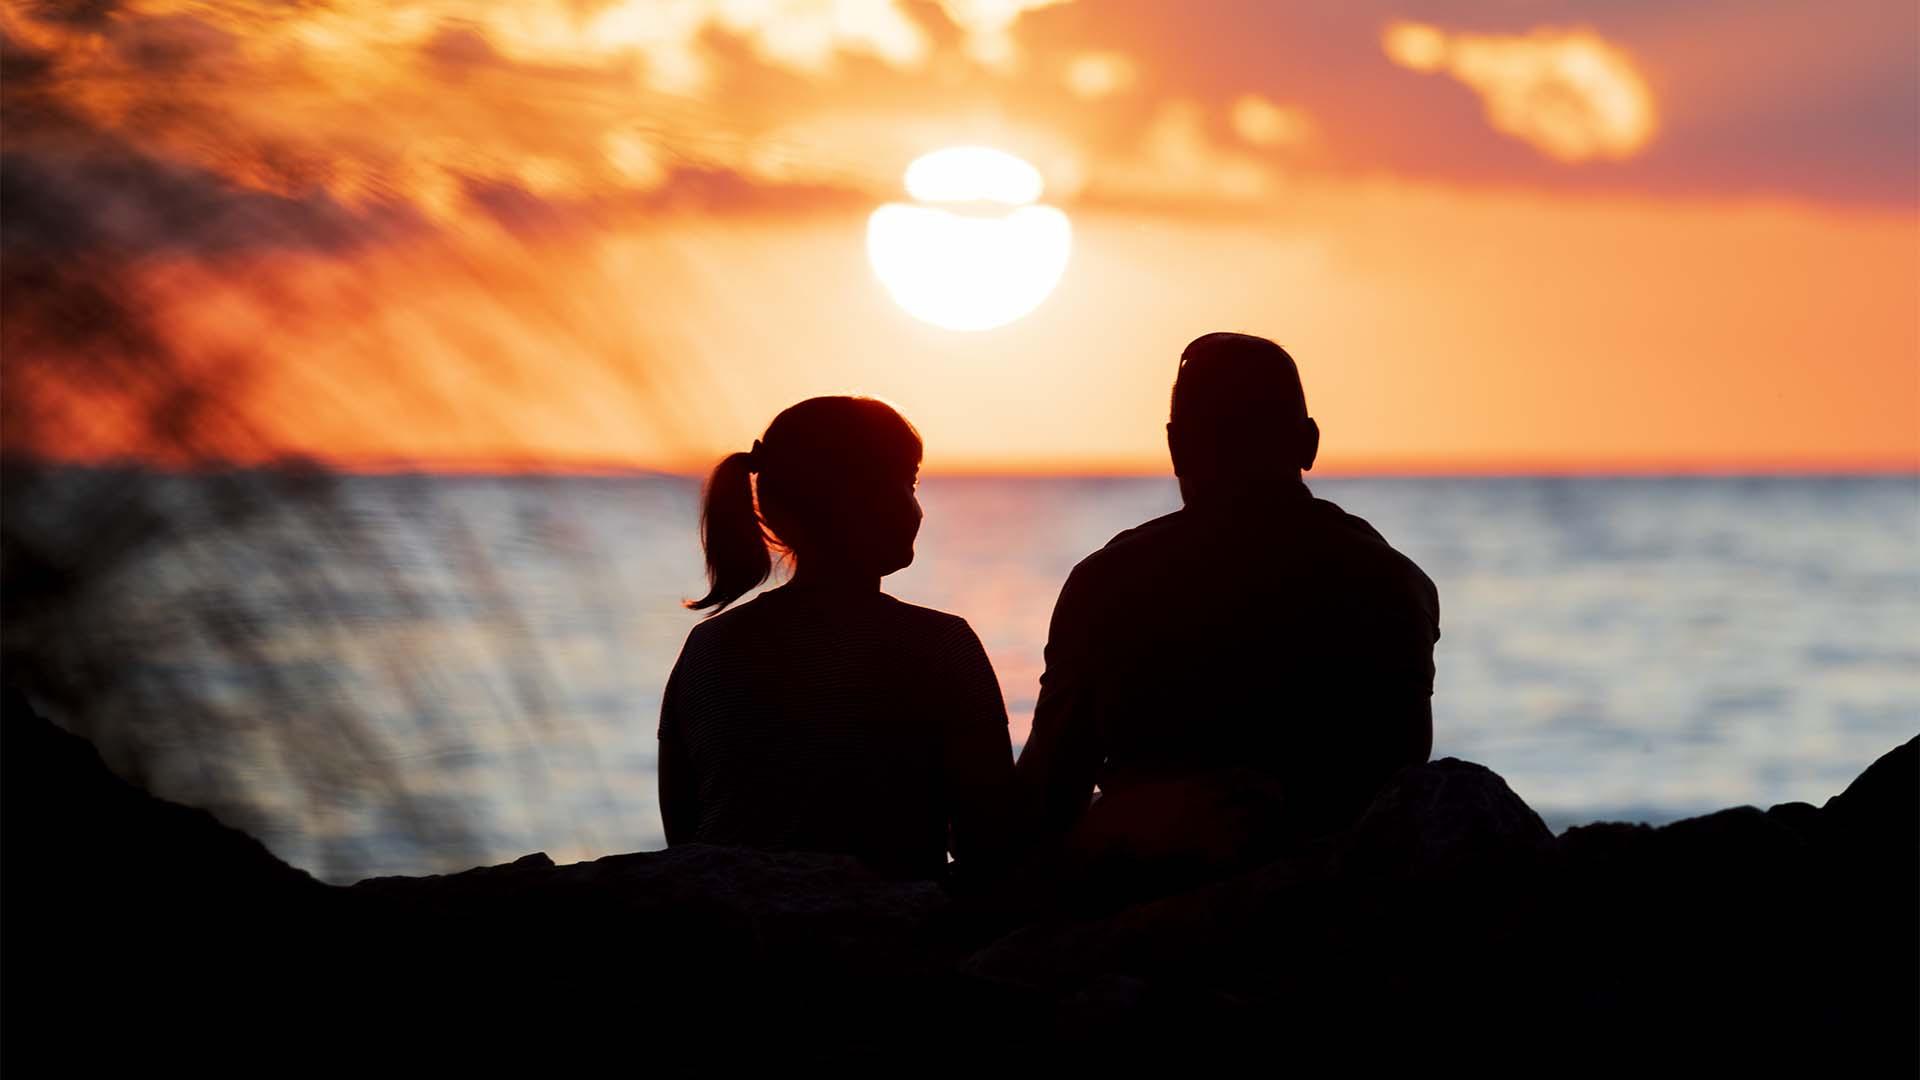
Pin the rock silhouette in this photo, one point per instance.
(1448, 925)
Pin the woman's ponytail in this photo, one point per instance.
(730, 531)
(826, 447)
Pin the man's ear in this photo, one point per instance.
(1173, 449)
(1309, 444)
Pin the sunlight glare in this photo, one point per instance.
(985, 259)
(973, 174)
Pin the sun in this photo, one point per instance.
(975, 250)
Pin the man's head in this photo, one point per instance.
(1239, 416)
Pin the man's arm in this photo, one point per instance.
(1423, 723)
(1392, 675)
(1061, 760)
(1420, 741)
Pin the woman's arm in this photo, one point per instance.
(978, 760)
(1061, 760)
(679, 791)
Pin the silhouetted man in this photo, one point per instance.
(1256, 629)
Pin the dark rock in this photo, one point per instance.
(1884, 800)
(66, 814)
(1383, 914)
(1445, 818)
(1447, 916)
(125, 913)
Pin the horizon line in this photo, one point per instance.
(1376, 469)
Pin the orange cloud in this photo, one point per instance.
(1178, 161)
(1095, 75)
(416, 101)
(1568, 93)
(1263, 123)
(804, 36)
(440, 235)
(988, 25)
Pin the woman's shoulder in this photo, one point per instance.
(924, 619)
(767, 610)
(944, 636)
(730, 622)
(926, 630)
(940, 643)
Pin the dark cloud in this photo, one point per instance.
(721, 190)
(87, 14)
(68, 185)
(515, 208)
(171, 44)
(22, 65)
(685, 190)
(73, 188)
(458, 46)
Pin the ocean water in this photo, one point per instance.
(417, 674)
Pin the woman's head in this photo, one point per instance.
(835, 483)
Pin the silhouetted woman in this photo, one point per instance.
(825, 715)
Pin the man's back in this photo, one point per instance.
(1281, 635)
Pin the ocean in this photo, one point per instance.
(420, 673)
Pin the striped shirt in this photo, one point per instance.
(841, 721)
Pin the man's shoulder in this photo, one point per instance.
(1328, 511)
(1142, 541)
(1368, 544)
(1353, 532)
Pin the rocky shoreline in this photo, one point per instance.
(1448, 929)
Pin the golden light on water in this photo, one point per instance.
(976, 250)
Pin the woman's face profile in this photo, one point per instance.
(866, 523)
(896, 517)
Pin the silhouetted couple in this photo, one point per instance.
(1258, 640)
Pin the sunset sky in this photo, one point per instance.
(1498, 235)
